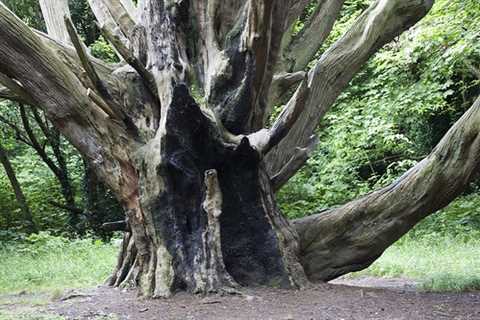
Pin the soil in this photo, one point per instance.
(352, 299)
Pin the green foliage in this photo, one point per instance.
(27, 10)
(103, 50)
(45, 263)
(394, 112)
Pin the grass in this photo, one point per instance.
(440, 264)
(47, 264)
(52, 264)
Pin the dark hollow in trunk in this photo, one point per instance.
(178, 240)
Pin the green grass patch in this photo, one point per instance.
(48, 264)
(438, 263)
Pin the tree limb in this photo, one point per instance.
(50, 81)
(378, 25)
(53, 12)
(264, 140)
(351, 237)
(13, 90)
(295, 163)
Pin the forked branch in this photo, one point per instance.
(266, 139)
(378, 25)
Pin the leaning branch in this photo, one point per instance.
(378, 25)
(119, 10)
(84, 57)
(264, 140)
(14, 91)
(352, 237)
(305, 46)
(130, 58)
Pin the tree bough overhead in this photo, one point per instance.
(178, 131)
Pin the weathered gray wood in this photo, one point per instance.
(379, 24)
(303, 47)
(53, 12)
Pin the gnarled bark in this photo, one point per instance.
(179, 132)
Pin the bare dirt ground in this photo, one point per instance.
(397, 299)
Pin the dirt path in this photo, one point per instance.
(330, 301)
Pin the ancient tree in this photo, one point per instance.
(179, 131)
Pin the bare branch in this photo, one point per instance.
(13, 90)
(53, 12)
(382, 22)
(130, 58)
(47, 76)
(119, 10)
(101, 103)
(351, 237)
(120, 25)
(84, 57)
(305, 46)
(297, 161)
(116, 226)
(281, 85)
(264, 140)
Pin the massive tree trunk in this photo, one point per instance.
(178, 130)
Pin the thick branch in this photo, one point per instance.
(53, 12)
(297, 161)
(264, 140)
(282, 84)
(351, 237)
(378, 25)
(34, 63)
(105, 17)
(13, 90)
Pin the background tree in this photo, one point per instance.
(17, 189)
(180, 135)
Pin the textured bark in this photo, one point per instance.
(171, 221)
(17, 189)
(179, 132)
